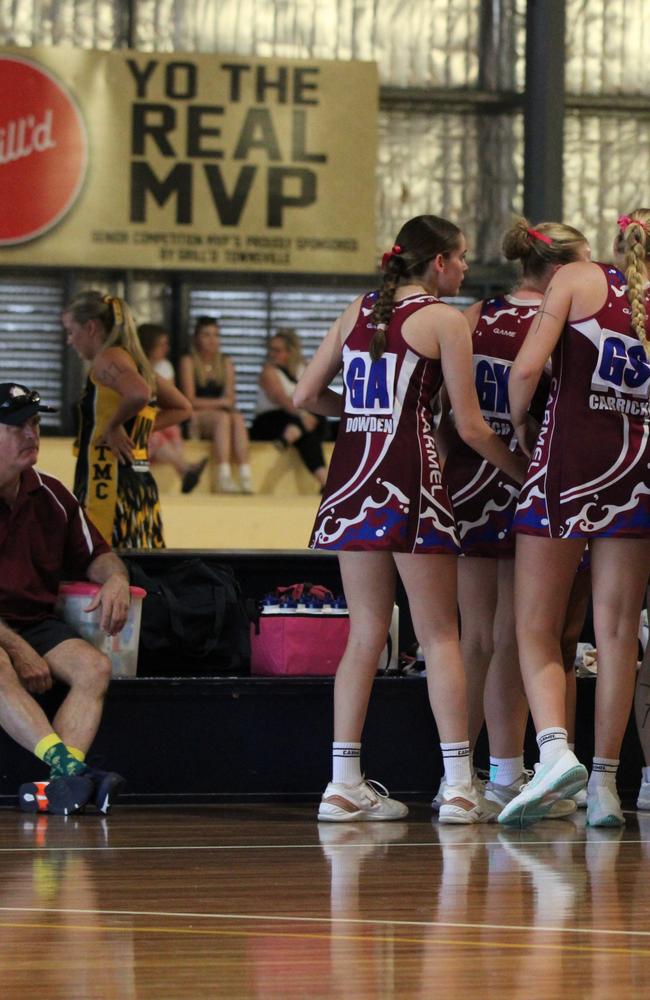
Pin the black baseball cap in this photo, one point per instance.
(18, 404)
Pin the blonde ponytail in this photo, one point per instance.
(118, 324)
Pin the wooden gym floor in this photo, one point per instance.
(260, 901)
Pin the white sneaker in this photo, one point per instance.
(503, 794)
(466, 804)
(439, 797)
(367, 801)
(226, 484)
(604, 807)
(246, 485)
(643, 801)
(557, 780)
(580, 798)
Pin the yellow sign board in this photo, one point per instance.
(212, 162)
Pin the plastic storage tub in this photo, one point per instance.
(122, 649)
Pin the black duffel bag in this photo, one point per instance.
(194, 616)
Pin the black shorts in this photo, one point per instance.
(44, 635)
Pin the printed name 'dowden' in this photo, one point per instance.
(21, 138)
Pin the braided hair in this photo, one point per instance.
(633, 244)
(417, 243)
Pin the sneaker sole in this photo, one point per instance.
(566, 785)
(454, 814)
(64, 796)
(561, 808)
(361, 816)
(610, 820)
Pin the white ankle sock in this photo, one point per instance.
(552, 743)
(458, 763)
(346, 763)
(603, 772)
(245, 471)
(505, 770)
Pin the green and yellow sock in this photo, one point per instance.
(76, 753)
(57, 756)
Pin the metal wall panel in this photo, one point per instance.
(415, 42)
(88, 24)
(465, 167)
(32, 344)
(607, 47)
(606, 159)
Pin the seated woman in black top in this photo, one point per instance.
(276, 418)
(207, 378)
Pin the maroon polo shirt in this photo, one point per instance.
(44, 538)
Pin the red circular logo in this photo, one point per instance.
(43, 150)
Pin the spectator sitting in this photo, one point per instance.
(276, 418)
(207, 378)
(45, 538)
(167, 445)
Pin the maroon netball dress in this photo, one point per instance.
(384, 488)
(483, 498)
(589, 473)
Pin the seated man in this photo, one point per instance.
(45, 538)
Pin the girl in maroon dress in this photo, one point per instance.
(588, 481)
(385, 510)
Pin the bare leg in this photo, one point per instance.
(221, 436)
(431, 587)
(87, 672)
(369, 587)
(214, 425)
(642, 701)
(575, 619)
(620, 568)
(477, 599)
(545, 571)
(172, 453)
(506, 706)
(21, 716)
(239, 439)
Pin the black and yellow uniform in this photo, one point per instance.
(120, 499)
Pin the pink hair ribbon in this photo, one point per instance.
(394, 252)
(624, 221)
(539, 236)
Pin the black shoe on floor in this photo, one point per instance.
(60, 796)
(192, 476)
(107, 786)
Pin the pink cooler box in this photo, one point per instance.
(297, 644)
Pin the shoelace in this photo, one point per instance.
(375, 787)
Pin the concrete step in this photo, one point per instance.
(275, 473)
(234, 521)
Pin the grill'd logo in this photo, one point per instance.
(43, 151)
